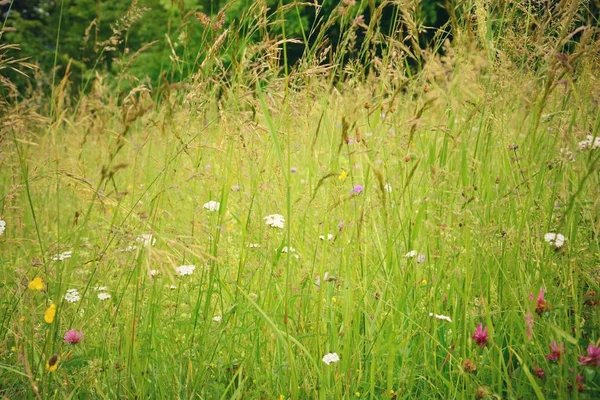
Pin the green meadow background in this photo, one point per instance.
(433, 168)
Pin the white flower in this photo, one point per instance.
(254, 245)
(411, 254)
(331, 358)
(185, 270)
(217, 318)
(145, 240)
(421, 258)
(62, 256)
(154, 272)
(2, 226)
(285, 249)
(441, 317)
(212, 205)
(100, 288)
(555, 239)
(590, 142)
(388, 188)
(72, 296)
(104, 296)
(172, 287)
(275, 220)
(329, 237)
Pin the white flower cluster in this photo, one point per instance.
(2, 226)
(441, 317)
(62, 256)
(217, 318)
(104, 296)
(388, 188)
(275, 220)
(555, 239)
(331, 358)
(184, 270)
(154, 272)
(253, 245)
(590, 142)
(212, 205)
(329, 237)
(72, 296)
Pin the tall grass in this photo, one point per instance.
(470, 160)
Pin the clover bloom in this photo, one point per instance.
(592, 358)
(541, 304)
(556, 350)
(73, 337)
(480, 336)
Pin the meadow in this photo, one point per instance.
(331, 231)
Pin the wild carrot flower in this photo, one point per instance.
(331, 358)
(2, 226)
(275, 220)
(556, 350)
(72, 296)
(184, 270)
(50, 313)
(357, 189)
(212, 206)
(104, 296)
(541, 304)
(36, 284)
(480, 336)
(73, 337)
(592, 358)
(555, 239)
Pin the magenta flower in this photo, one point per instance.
(539, 372)
(592, 358)
(541, 303)
(357, 189)
(73, 337)
(556, 350)
(480, 336)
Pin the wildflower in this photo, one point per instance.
(411, 254)
(340, 225)
(329, 237)
(388, 188)
(318, 279)
(253, 245)
(2, 226)
(555, 239)
(556, 350)
(343, 175)
(73, 337)
(441, 317)
(481, 392)
(50, 313)
(62, 256)
(480, 336)
(172, 287)
(331, 358)
(590, 142)
(146, 239)
(293, 170)
(592, 358)
(217, 318)
(236, 188)
(421, 258)
(469, 366)
(286, 249)
(275, 220)
(529, 326)
(104, 296)
(72, 296)
(539, 372)
(52, 363)
(541, 303)
(357, 189)
(154, 272)
(36, 284)
(212, 206)
(184, 270)
(579, 380)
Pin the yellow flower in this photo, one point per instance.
(50, 314)
(52, 363)
(343, 175)
(36, 284)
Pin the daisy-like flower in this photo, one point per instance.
(104, 296)
(2, 226)
(441, 317)
(212, 206)
(154, 272)
(388, 188)
(217, 318)
(275, 220)
(73, 337)
(329, 237)
(72, 296)
(184, 270)
(331, 358)
(62, 256)
(146, 239)
(555, 239)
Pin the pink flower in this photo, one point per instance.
(541, 303)
(539, 372)
(73, 337)
(556, 350)
(357, 189)
(480, 336)
(593, 356)
(529, 326)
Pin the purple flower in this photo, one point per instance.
(357, 189)
(592, 358)
(556, 350)
(73, 337)
(480, 336)
(293, 170)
